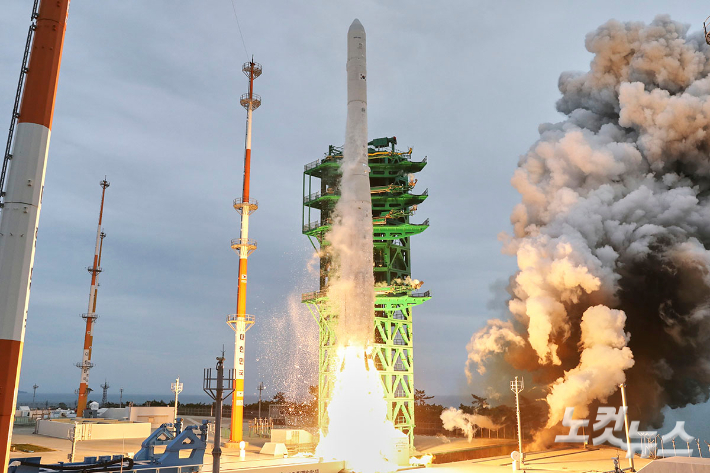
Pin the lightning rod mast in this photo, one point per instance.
(85, 365)
(244, 246)
(23, 170)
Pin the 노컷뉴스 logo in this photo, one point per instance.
(641, 441)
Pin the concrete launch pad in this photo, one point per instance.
(567, 460)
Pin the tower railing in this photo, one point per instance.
(239, 243)
(318, 195)
(311, 165)
(235, 318)
(309, 296)
(254, 101)
(240, 205)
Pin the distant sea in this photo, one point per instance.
(53, 399)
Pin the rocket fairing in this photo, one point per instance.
(356, 127)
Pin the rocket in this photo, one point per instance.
(356, 126)
(355, 205)
(20, 215)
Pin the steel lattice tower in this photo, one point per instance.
(104, 398)
(391, 185)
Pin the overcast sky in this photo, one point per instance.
(149, 96)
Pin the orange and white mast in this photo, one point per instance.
(85, 365)
(244, 246)
(22, 203)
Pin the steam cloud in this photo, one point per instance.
(612, 233)
(453, 419)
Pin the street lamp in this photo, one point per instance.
(176, 387)
(517, 385)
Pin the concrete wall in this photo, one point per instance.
(154, 415)
(291, 436)
(118, 413)
(50, 428)
(94, 431)
(114, 431)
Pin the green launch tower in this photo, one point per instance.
(393, 202)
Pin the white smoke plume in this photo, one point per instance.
(613, 230)
(603, 361)
(469, 424)
(350, 288)
(487, 341)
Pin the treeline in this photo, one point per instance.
(427, 416)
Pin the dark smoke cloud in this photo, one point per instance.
(613, 231)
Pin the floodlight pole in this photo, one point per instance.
(176, 387)
(261, 388)
(76, 431)
(218, 389)
(629, 451)
(517, 386)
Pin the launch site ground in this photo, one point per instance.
(568, 460)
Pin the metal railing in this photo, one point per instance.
(240, 204)
(422, 294)
(16, 107)
(254, 101)
(311, 165)
(234, 318)
(318, 195)
(309, 296)
(315, 224)
(25, 420)
(238, 243)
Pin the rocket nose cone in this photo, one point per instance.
(356, 26)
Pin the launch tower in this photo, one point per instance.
(393, 202)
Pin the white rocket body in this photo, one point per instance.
(352, 235)
(355, 150)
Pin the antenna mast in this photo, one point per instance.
(104, 398)
(85, 365)
(244, 246)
